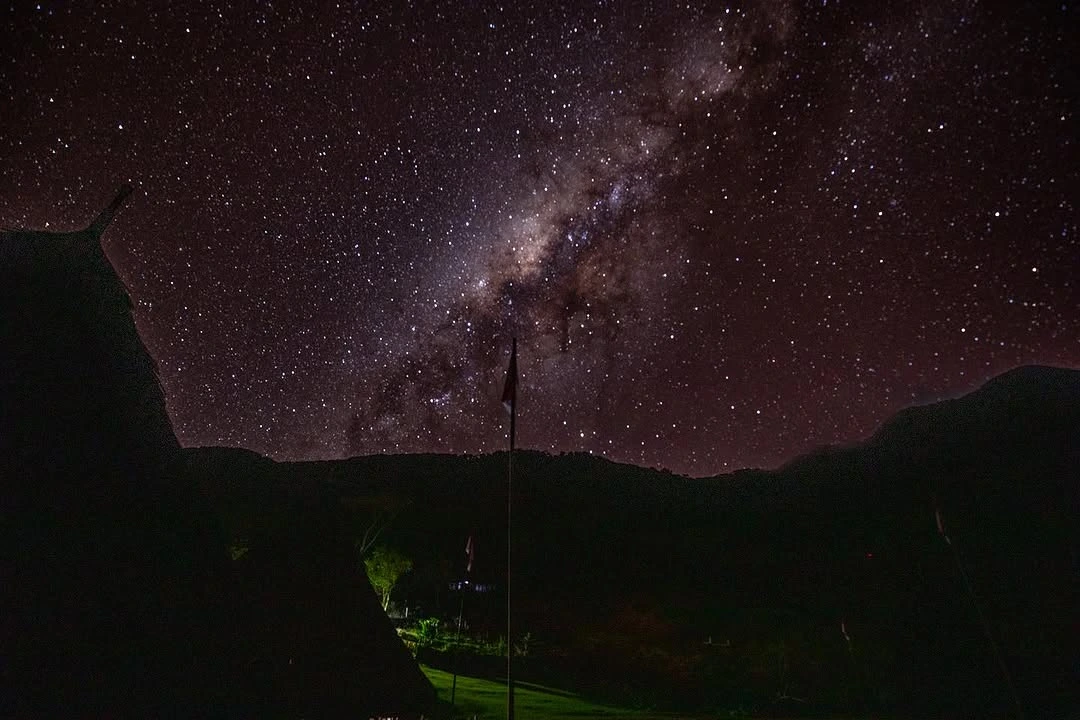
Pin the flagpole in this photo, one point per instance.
(510, 394)
(982, 616)
(469, 550)
(509, 630)
(457, 647)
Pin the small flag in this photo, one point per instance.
(470, 554)
(509, 397)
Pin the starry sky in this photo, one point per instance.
(724, 235)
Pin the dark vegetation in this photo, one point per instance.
(141, 579)
(823, 587)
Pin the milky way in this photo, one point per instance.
(723, 235)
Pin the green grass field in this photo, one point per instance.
(487, 699)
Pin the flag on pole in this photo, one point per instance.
(509, 397)
(470, 554)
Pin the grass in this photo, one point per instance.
(486, 699)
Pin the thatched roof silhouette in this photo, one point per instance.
(118, 595)
(78, 383)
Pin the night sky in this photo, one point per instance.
(724, 235)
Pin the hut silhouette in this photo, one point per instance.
(118, 594)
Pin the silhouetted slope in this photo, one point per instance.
(1003, 466)
(623, 573)
(1019, 409)
(313, 639)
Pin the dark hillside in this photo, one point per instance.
(826, 580)
(147, 578)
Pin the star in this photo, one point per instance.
(705, 226)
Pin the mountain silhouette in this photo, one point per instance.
(927, 570)
(825, 580)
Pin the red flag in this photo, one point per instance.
(470, 554)
(509, 397)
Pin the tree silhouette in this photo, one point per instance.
(384, 567)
